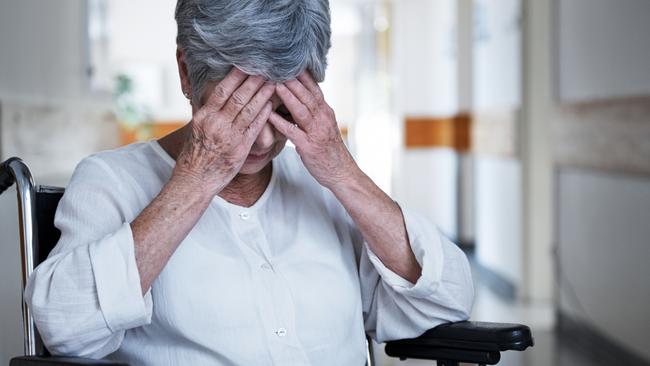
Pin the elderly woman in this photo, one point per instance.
(216, 245)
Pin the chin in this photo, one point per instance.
(250, 168)
(254, 166)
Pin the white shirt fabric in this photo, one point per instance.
(288, 281)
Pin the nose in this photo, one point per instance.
(267, 137)
(265, 140)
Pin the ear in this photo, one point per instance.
(182, 73)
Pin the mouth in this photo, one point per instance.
(252, 157)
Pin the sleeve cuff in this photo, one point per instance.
(118, 281)
(425, 242)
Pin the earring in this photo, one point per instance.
(188, 96)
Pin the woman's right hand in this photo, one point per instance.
(223, 131)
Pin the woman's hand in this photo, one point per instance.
(224, 129)
(315, 131)
(319, 143)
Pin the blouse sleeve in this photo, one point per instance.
(87, 293)
(395, 308)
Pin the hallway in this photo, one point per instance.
(552, 348)
(518, 128)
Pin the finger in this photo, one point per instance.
(241, 97)
(290, 130)
(298, 111)
(222, 91)
(256, 126)
(303, 94)
(308, 81)
(253, 108)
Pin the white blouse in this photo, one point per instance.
(288, 281)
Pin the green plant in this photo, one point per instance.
(129, 112)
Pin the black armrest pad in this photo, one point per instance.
(61, 361)
(472, 342)
(476, 336)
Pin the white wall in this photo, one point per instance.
(47, 109)
(52, 138)
(497, 92)
(431, 186)
(498, 216)
(497, 54)
(604, 247)
(604, 49)
(425, 57)
(42, 50)
(426, 84)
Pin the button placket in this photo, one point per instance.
(273, 291)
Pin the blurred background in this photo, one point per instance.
(520, 127)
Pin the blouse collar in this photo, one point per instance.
(218, 200)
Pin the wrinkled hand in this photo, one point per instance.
(224, 129)
(315, 131)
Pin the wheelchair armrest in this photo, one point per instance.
(477, 342)
(61, 361)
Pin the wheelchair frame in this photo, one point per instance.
(26, 191)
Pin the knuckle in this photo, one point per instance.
(302, 114)
(237, 100)
(250, 133)
(220, 93)
(248, 111)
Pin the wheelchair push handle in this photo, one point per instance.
(7, 176)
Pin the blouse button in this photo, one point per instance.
(281, 332)
(244, 215)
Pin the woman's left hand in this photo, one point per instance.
(314, 131)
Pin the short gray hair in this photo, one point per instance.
(276, 39)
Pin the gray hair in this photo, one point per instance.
(276, 39)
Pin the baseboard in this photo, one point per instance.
(594, 342)
(500, 285)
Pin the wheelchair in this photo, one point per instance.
(449, 344)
